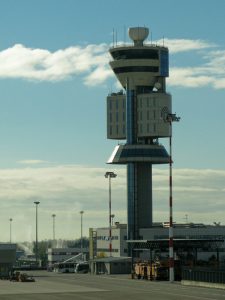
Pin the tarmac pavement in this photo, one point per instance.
(53, 286)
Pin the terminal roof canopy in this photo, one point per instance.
(184, 244)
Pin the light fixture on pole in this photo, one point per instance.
(112, 217)
(110, 175)
(53, 228)
(10, 230)
(36, 244)
(171, 118)
(81, 232)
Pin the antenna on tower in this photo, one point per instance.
(113, 37)
(124, 32)
(116, 37)
(163, 41)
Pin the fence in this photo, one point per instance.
(204, 274)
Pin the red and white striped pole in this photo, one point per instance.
(171, 118)
(171, 255)
(110, 175)
(110, 223)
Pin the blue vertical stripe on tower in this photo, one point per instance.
(164, 67)
(130, 125)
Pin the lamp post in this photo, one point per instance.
(36, 244)
(171, 118)
(112, 216)
(81, 232)
(110, 175)
(53, 227)
(10, 230)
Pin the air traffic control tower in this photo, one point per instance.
(139, 116)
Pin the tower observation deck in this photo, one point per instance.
(139, 116)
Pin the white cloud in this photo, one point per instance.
(210, 71)
(191, 77)
(39, 64)
(65, 190)
(98, 76)
(208, 74)
(91, 63)
(184, 45)
(196, 192)
(32, 162)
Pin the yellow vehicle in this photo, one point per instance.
(157, 270)
(151, 271)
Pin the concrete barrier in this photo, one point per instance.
(203, 284)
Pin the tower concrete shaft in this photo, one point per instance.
(139, 196)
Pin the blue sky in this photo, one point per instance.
(54, 79)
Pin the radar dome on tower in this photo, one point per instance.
(138, 35)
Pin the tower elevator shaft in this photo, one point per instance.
(139, 198)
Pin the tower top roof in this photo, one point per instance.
(138, 35)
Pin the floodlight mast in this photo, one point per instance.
(36, 244)
(81, 232)
(110, 175)
(53, 227)
(10, 230)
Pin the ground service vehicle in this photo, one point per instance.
(157, 270)
(21, 277)
(150, 271)
(82, 268)
(67, 267)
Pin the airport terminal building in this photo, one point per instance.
(199, 239)
(119, 238)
